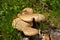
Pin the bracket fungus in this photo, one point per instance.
(24, 20)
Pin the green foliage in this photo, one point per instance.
(10, 8)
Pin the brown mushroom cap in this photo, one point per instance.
(29, 31)
(29, 18)
(24, 27)
(19, 24)
(26, 11)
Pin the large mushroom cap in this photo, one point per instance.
(29, 18)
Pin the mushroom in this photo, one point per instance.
(24, 27)
(24, 20)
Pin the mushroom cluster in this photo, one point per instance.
(23, 22)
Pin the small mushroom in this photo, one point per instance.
(24, 27)
(46, 37)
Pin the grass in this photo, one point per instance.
(10, 8)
